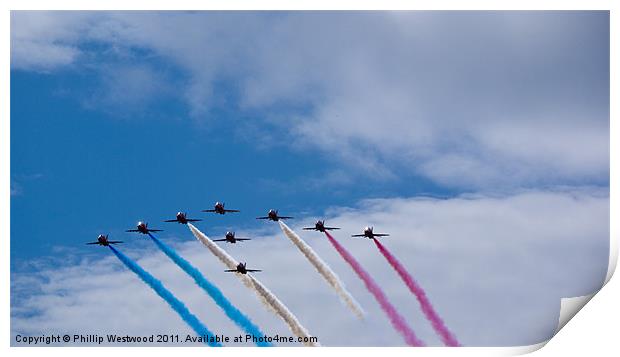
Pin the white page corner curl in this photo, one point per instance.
(569, 307)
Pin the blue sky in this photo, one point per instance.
(118, 117)
(66, 157)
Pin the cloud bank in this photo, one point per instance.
(495, 269)
(472, 100)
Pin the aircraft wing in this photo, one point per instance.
(93, 243)
(231, 210)
(172, 220)
(194, 220)
(358, 235)
(114, 241)
(243, 239)
(231, 270)
(208, 210)
(252, 270)
(156, 230)
(262, 217)
(132, 230)
(309, 229)
(331, 228)
(220, 240)
(380, 235)
(284, 217)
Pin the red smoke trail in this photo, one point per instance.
(397, 321)
(441, 329)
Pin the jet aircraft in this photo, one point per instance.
(320, 226)
(182, 218)
(241, 269)
(103, 240)
(273, 216)
(142, 227)
(230, 238)
(219, 208)
(368, 233)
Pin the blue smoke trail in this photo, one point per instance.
(165, 294)
(231, 311)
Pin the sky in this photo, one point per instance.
(476, 139)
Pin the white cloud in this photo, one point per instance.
(42, 56)
(128, 90)
(494, 267)
(470, 100)
(44, 41)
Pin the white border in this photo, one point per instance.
(591, 330)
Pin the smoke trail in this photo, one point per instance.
(323, 269)
(396, 319)
(282, 311)
(165, 294)
(266, 296)
(446, 336)
(231, 311)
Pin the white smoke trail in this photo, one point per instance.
(266, 296)
(282, 311)
(323, 269)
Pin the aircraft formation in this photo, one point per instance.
(219, 208)
(266, 296)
